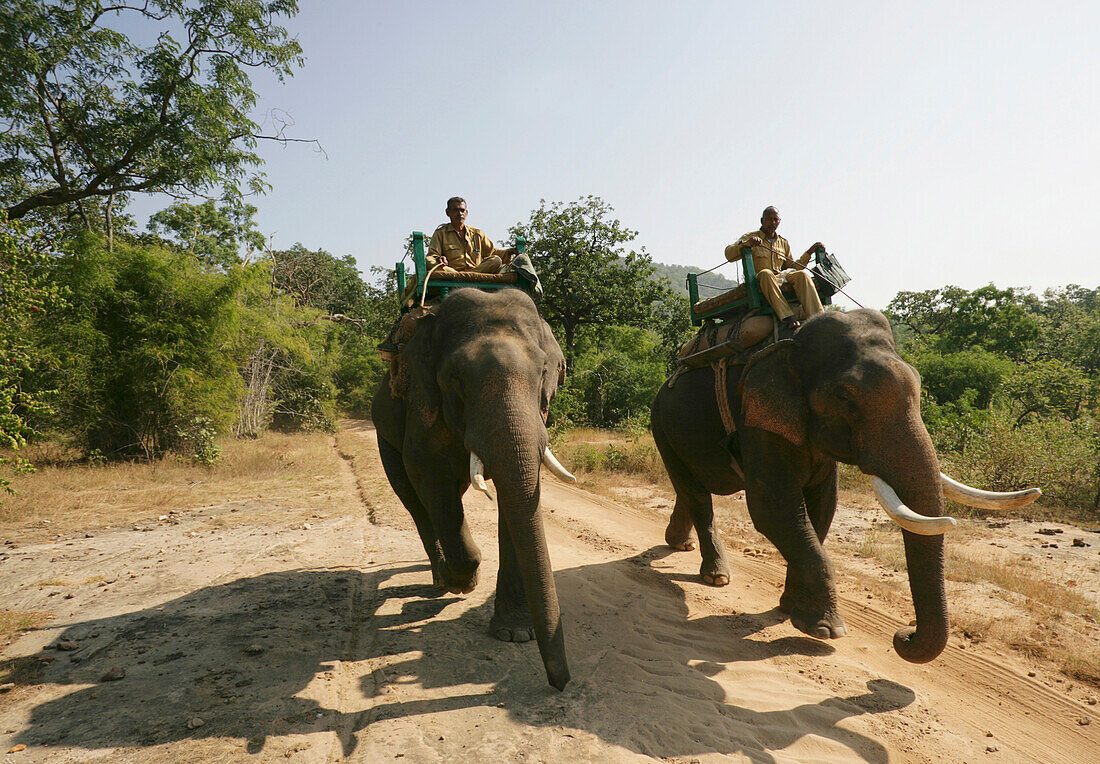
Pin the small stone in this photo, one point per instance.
(1084, 721)
(988, 733)
(68, 644)
(114, 674)
(18, 748)
(9, 686)
(194, 723)
(1091, 699)
(254, 649)
(991, 749)
(1079, 542)
(1031, 673)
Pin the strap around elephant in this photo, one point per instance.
(721, 394)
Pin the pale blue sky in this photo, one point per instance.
(924, 143)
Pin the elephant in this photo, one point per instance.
(470, 399)
(837, 391)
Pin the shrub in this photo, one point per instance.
(1057, 455)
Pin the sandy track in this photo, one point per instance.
(361, 659)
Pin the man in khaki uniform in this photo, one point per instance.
(771, 256)
(460, 247)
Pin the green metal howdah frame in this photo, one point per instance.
(441, 284)
(831, 279)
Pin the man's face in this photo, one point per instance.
(457, 214)
(770, 222)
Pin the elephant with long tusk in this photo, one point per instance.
(954, 490)
(469, 403)
(477, 471)
(836, 392)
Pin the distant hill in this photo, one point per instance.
(677, 274)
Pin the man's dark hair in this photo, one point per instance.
(769, 207)
(454, 201)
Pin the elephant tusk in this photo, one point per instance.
(905, 517)
(477, 475)
(975, 497)
(554, 466)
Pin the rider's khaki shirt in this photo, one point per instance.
(463, 252)
(763, 257)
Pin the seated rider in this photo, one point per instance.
(771, 256)
(459, 247)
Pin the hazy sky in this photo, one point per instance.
(925, 143)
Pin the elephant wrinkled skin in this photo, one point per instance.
(482, 369)
(837, 391)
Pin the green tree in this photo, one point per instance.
(671, 318)
(26, 296)
(320, 280)
(953, 319)
(1070, 327)
(588, 275)
(211, 232)
(1047, 388)
(948, 376)
(145, 350)
(87, 112)
(619, 369)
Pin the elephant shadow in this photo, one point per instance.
(269, 655)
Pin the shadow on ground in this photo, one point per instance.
(630, 643)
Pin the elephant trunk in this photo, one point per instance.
(512, 451)
(909, 465)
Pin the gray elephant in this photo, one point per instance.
(470, 400)
(836, 392)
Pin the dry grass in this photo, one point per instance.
(589, 451)
(63, 497)
(1007, 574)
(13, 622)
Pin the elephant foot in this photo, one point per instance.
(820, 626)
(715, 575)
(680, 539)
(686, 544)
(454, 583)
(512, 624)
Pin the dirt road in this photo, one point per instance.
(322, 639)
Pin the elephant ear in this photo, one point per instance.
(771, 393)
(553, 375)
(419, 359)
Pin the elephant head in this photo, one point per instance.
(483, 369)
(839, 390)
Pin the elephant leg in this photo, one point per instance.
(443, 500)
(714, 569)
(778, 511)
(511, 621)
(403, 487)
(821, 503)
(694, 502)
(678, 532)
